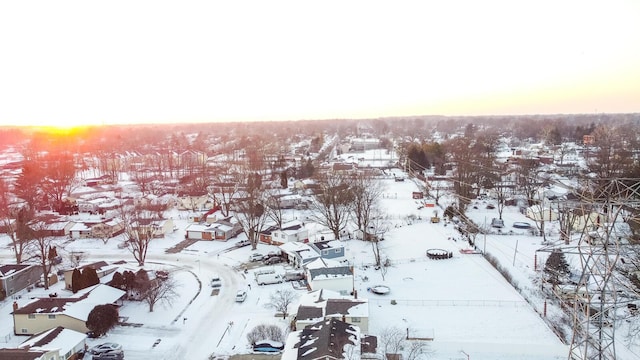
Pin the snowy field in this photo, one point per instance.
(463, 303)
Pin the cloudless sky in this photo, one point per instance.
(88, 62)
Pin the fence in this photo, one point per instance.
(467, 303)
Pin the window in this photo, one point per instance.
(325, 252)
(24, 331)
(52, 316)
(32, 316)
(338, 251)
(355, 319)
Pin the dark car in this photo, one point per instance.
(273, 260)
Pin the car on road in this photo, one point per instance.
(241, 295)
(104, 347)
(256, 257)
(216, 282)
(273, 260)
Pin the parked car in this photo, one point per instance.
(109, 355)
(241, 295)
(104, 347)
(265, 279)
(216, 282)
(293, 275)
(243, 243)
(256, 257)
(497, 223)
(268, 346)
(273, 260)
(274, 253)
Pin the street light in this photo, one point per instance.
(198, 261)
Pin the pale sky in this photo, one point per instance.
(88, 62)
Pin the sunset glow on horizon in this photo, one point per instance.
(77, 63)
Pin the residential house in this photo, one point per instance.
(28, 354)
(107, 229)
(298, 254)
(96, 228)
(331, 249)
(69, 344)
(329, 274)
(266, 235)
(102, 268)
(329, 339)
(540, 213)
(71, 312)
(158, 228)
(324, 304)
(587, 219)
(14, 278)
(289, 232)
(222, 230)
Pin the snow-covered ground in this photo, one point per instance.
(462, 302)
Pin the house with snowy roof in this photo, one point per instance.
(67, 343)
(329, 274)
(102, 269)
(329, 339)
(324, 304)
(72, 312)
(298, 253)
(290, 231)
(15, 277)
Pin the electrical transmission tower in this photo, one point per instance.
(605, 204)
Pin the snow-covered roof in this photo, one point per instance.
(58, 338)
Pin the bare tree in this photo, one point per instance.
(138, 230)
(224, 187)
(275, 210)
(280, 301)
(461, 155)
(366, 195)
(567, 218)
(59, 177)
(391, 340)
(9, 221)
(333, 202)
(417, 350)
(377, 227)
(42, 248)
(160, 291)
(251, 212)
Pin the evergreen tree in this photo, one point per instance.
(102, 319)
(76, 281)
(90, 277)
(556, 267)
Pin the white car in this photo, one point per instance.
(105, 347)
(256, 257)
(216, 282)
(241, 295)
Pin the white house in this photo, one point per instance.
(289, 232)
(298, 253)
(329, 274)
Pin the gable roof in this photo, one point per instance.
(57, 338)
(21, 354)
(78, 306)
(8, 269)
(330, 272)
(327, 339)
